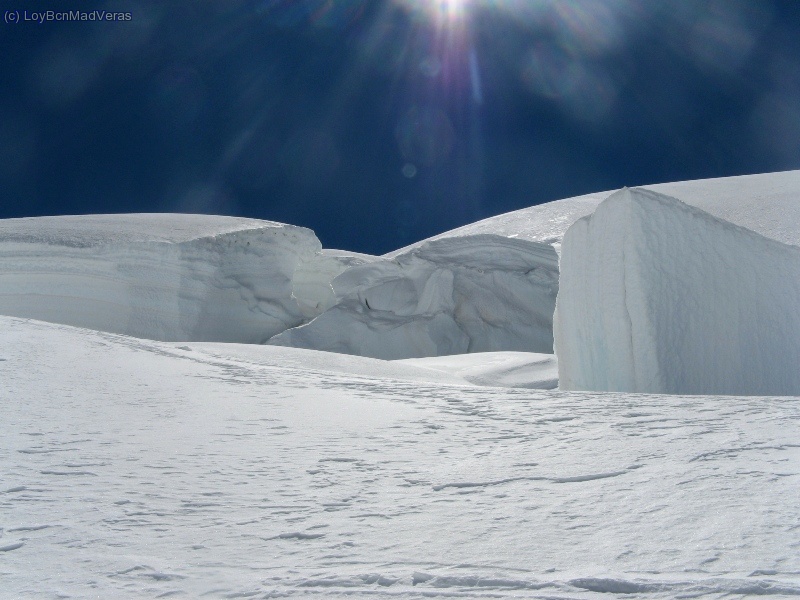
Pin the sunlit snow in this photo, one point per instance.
(658, 296)
(134, 468)
(196, 467)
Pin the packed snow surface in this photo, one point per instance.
(81, 231)
(494, 369)
(480, 293)
(658, 296)
(166, 277)
(502, 369)
(141, 469)
(330, 362)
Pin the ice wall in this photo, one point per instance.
(164, 277)
(468, 294)
(658, 296)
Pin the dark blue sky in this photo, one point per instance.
(381, 122)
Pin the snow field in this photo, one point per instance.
(134, 468)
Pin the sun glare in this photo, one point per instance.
(451, 8)
(441, 12)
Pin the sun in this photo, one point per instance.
(451, 8)
(441, 12)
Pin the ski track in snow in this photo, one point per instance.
(136, 469)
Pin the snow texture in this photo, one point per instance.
(658, 296)
(166, 277)
(499, 369)
(331, 363)
(479, 293)
(133, 468)
(139, 469)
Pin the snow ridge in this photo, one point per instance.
(767, 203)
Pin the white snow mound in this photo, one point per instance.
(165, 276)
(498, 369)
(480, 293)
(658, 296)
(767, 203)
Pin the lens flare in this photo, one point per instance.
(451, 9)
(443, 13)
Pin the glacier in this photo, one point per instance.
(479, 293)
(147, 455)
(658, 296)
(204, 278)
(166, 277)
(486, 287)
(384, 309)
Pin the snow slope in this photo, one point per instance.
(473, 294)
(136, 469)
(657, 296)
(767, 203)
(166, 277)
(500, 369)
(277, 357)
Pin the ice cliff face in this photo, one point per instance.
(471, 294)
(164, 277)
(658, 296)
(202, 278)
(311, 283)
